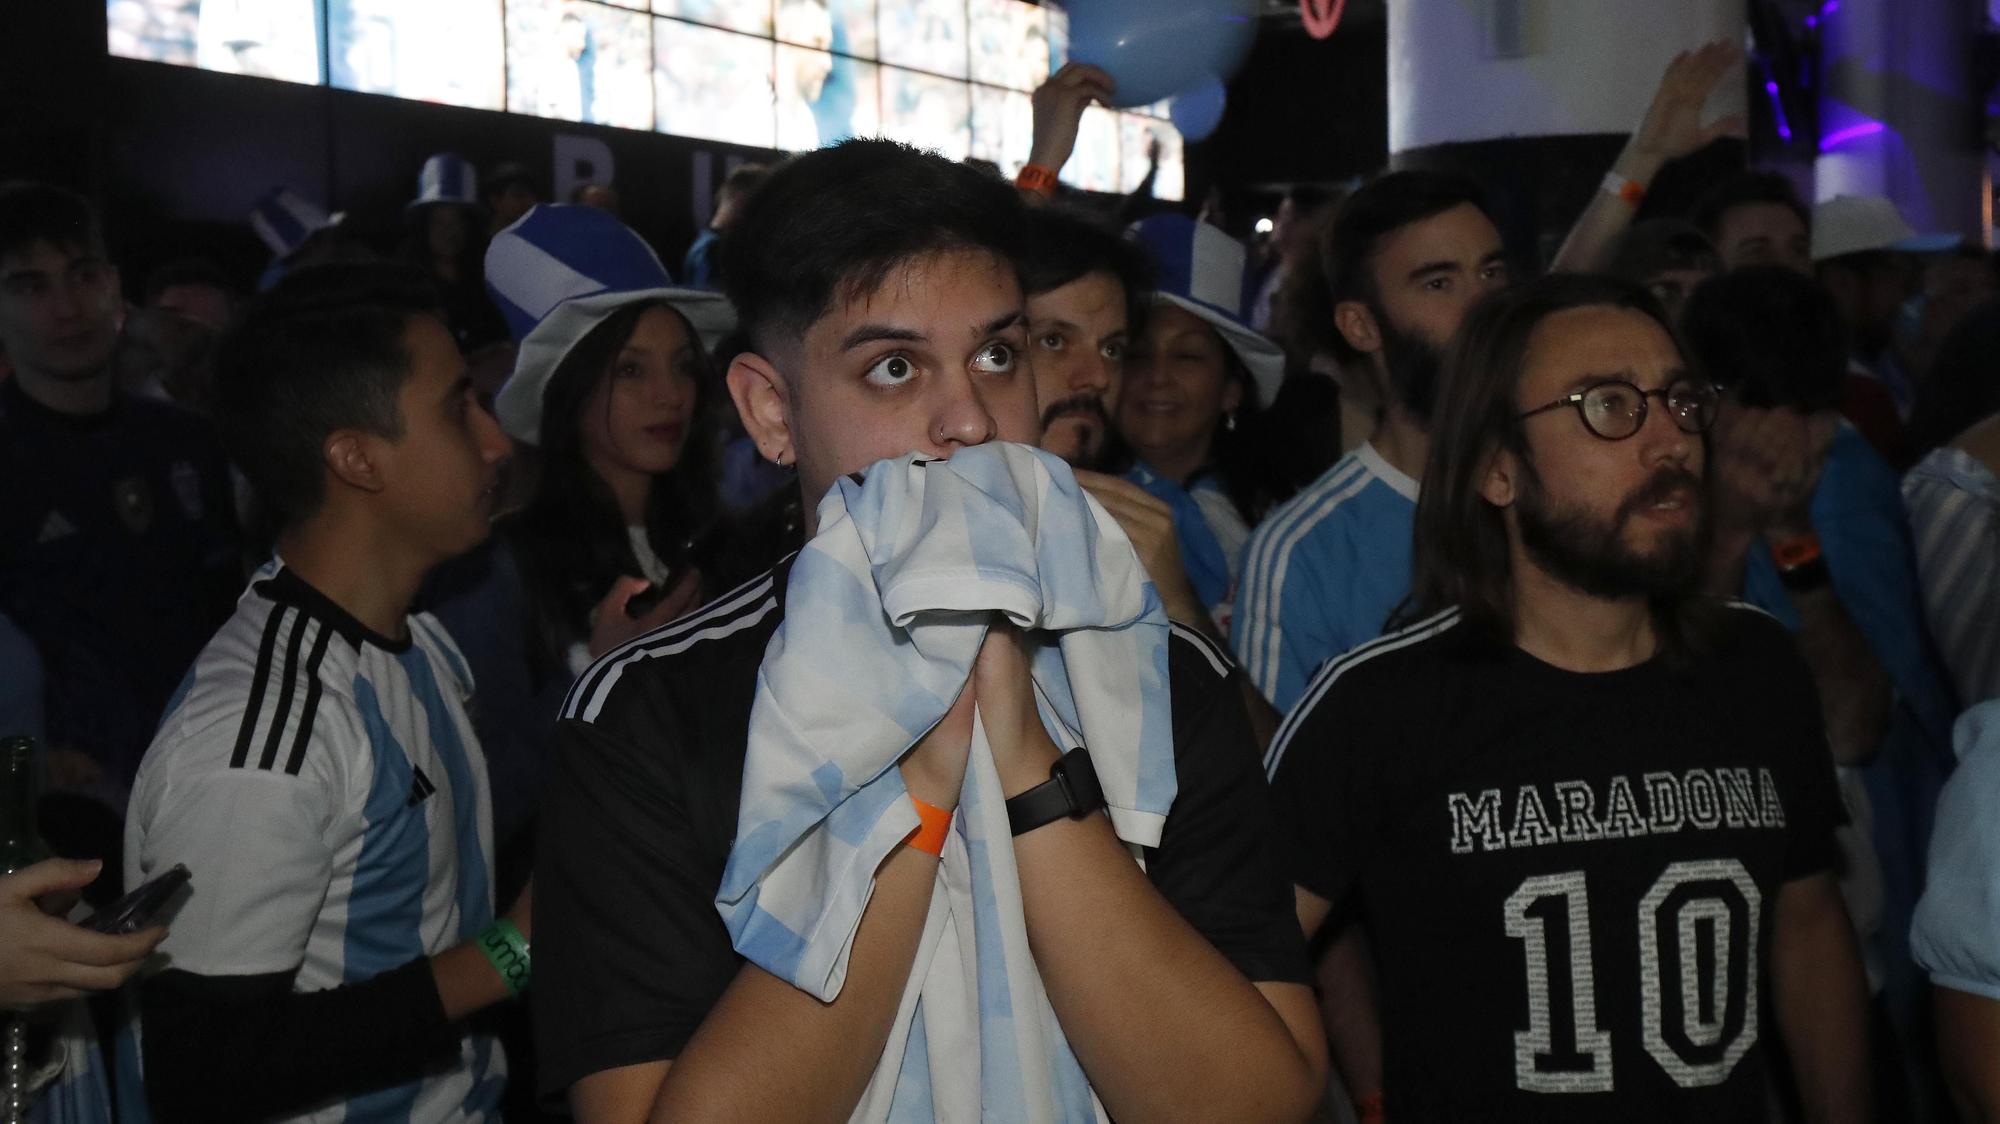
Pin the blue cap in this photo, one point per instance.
(1200, 268)
(559, 271)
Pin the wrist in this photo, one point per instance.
(931, 787)
(1029, 766)
(1638, 164)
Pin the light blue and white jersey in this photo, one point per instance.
(1956, 934)
(1324, 572)
(323, 784)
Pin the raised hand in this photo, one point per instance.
(1059, 104)
(1673, 127)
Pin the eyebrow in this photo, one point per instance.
(1002, 323)
(1674, 375)
(872, 333)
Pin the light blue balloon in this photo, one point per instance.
(1197, 110)
(1155, 50)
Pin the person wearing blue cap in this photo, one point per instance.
(1197, 375)
(612, 394)
(877, 287)
(446, 239)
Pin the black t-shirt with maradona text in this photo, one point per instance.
(1568, 881)
(640, 810)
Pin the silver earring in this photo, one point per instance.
(1229, 421)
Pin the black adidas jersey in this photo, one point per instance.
(640, 811)
(1568, 881)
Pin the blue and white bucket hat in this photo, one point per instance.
(447, 177)
(556, 274)
(1200, 268)
(285, 220)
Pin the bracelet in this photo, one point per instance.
(1369, 1109)
(1038, 179)
(1796, 551)
(504, 945)
(930, 833)
(1631, 191)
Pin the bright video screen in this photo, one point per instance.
(925, 35)
(445, 51)
(713, 84)
(949, 75)
(577, 61)
(262, 38)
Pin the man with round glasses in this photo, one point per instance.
(1584, 812)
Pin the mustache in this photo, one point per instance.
(1090, 405)
(1663, 485)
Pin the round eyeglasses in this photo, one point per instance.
(1615, 409)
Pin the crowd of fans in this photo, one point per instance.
(1582, 681)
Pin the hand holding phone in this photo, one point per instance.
(137, 909)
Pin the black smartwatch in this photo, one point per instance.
(1070, 792)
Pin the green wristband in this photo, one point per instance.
(504, 945)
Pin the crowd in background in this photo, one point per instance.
(516, 502)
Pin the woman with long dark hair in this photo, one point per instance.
(610, 404)
(1194, 380)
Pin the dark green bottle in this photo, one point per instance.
(20, 844)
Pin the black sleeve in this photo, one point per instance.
(630, 953)
(249, 1047)
(1328, 804)
(1218, 861)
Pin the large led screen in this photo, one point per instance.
(949, 75)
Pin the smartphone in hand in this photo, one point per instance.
(137, 909)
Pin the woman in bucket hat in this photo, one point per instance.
(610, 400)
(1196, 376)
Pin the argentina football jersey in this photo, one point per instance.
(323, 784)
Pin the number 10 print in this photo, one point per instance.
(1697, 977)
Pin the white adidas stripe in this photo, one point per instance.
(1217, 659)
(636, 648)
(687, 641)
(1415, 634)
(1261, 648)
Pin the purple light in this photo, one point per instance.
(1830, 7)
(1812, 22)
(1777, 101)
(1839, 137)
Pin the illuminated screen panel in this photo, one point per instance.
(1010, 44)
(1094, 164)
(752, 17)
(927, 111)
(578, 61)
(925, 34)
(824, 98)
(1136, 134)
(713, 84)
(1003, 126)
(262, 38)
(854, 28)
(446, 51)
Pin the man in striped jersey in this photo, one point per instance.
(879, 290)
(1585, 815)
(317, 772)
(1409, 254)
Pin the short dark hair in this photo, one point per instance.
(321, 352)
(1460, 555)
(31, 212)
(745, 179)
(1063, 245)
(836, 222)
(1383, 206)
(185, 271)
(1772, 336)
(1657, 245)
(1743, 188)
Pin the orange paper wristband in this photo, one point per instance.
(1796, 552)
(1036, 178)
(1631, 191)
(930, 833)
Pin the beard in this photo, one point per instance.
(1088, 406)
(1591, 555)
(1414, 362)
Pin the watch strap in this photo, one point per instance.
(1071, 791)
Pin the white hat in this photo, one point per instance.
(285, 221)
(447, 177)
(1854, 224)
(1200, 268)
(556, 274)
